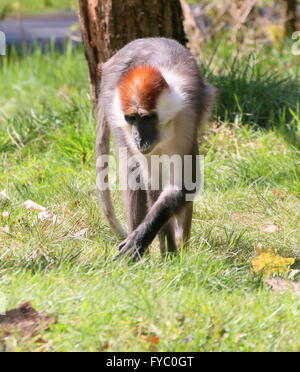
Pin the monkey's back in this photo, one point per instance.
(157, 52)
(164, 55)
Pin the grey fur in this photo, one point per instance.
(160, 53)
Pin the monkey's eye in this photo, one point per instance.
(130, 118)
(133, 118)
(150, 119)
(150, 116)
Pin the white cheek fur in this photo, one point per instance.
(169, 104)
(172, 100)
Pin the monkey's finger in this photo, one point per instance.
(117, 257)
(124, 251)
(130, 252)
(122, 245)
(123, 255)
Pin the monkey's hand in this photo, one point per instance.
(132, 247)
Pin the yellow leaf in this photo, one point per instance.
(269, 263)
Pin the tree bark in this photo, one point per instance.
(291, 16)
(107, 25)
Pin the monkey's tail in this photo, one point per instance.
(104, 194)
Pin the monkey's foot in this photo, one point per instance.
(131, 248)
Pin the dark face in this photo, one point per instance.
(144, 131)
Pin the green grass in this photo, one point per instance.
(207, 298)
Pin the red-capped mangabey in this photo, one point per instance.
(153, 100)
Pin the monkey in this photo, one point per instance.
(153, 100)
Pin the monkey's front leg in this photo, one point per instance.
(170, 202)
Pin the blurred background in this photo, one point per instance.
(248, 21)
(231, 37)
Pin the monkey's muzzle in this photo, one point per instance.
(145, 138)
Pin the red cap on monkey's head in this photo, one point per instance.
(140, 88)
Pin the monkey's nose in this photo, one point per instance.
(142, 145)
(142, 142)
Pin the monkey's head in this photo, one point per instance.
(147, 106)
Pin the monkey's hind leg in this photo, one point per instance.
(167, 241)
(136, 208)
(185, 224)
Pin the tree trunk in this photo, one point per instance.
(291, 16)
(107, 25)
